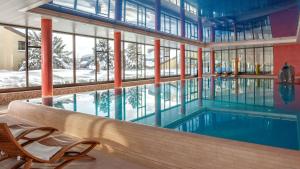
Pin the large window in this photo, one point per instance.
(218, 61)
(190, 8)
(134, 60)
(232, 58)
(34, 57)
(66, 3)
(242, 60)
(170, 24)
(174, 55)
(268, 60)
(87, 5)
(250, 62)
(206, 34)
(169, 61)
(165, 62)
(85, 59)
(206, 61)
(191, 30)
(259, 60)
(105, 60)
(106, 8)
(150, 19)
(62, 58)
(225, 60)
(12, 58)
(149, 60)
(191, 62)
(131, 13)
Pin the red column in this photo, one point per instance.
(200, 63)
(46, 51)
(182, 61)
(117, 61)
(157, 60)
(212, 62)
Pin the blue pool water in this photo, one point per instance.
(250, 110)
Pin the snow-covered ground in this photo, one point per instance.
(16, 79)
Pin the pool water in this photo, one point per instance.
(257, 111)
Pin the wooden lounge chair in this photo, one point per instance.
(25, 133)
(55, 149)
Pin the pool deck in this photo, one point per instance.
(103, 161)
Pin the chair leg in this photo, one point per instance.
(28, 164)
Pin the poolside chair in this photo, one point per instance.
(25, 133)
(55, 149)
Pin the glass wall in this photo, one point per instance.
(169, 61)
(218, 61)
(144, 16)
(191, 62)
(206, 61)
(105, 60)
(268, 60)
(12, 57)
(242, 60)
(138, 61)
(85, 59)
(79, 59)
(34, 57)
(87, 5)
(62, 58)
(206, 34)
(250, 60)
(191, 30)
(170, 24)
(259, 28)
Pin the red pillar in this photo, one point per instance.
(200, 63)
(157, 60)
(212, 62)
(117, 60)
(46, 51)
(182, 61)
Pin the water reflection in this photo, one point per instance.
(137, 102)
(195, 106)
(157, 105)
(287, 93)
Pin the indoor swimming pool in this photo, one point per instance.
(257, 111)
